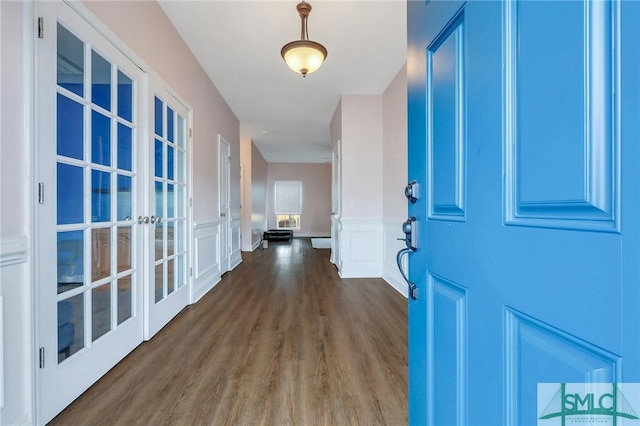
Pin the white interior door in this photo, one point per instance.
(336, 186)
(167, 219)
(88, 246)
(224, 157)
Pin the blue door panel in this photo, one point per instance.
(523, 128)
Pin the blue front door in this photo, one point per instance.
(524, 135)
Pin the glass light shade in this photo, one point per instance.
(304, 56)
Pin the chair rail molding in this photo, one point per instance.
(14, 250)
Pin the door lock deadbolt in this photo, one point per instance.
(411, 191)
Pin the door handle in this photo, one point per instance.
(223, 215)
(142, 220)
(156, 219)
(409, 227)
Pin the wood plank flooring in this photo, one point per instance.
(281, 340)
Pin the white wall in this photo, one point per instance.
(146, 32)
(373, 133)
(315, 220)
(359, 127)
(254, 195)
(394, 172)
(15, 227)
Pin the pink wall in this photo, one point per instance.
(144, 27)
(394, 147)
(316, 195)
(14, 154)
(361, 156)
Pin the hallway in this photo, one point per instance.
(280, 340)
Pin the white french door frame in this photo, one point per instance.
(224, 203)
(58, 382)
(80, 20)
(157, 315)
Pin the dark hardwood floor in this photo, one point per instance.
(281, 340)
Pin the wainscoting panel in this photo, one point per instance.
(1, 353)
(547, 354)
(14, 363)
(361, 248)
(236, 242)
(206, 265)
(391, 231)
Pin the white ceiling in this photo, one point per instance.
(288, 117)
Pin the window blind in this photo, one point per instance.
(288, 197)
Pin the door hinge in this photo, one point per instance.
(40, 27)
(190, 133)
(190, 202)
(41, 357)
(41, 192)
(191, 272)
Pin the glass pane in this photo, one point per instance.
(159, 283)
(125, 97)
(124, 197)
(170, 124)
(125, 152)
(124, 248)
(180, 132)
(100, 196)
(100, 253)
(180, 236)
(180, 270)
(180, 178)
(158, 158)
(158, 117)
(69, 128)
(70, 260)
(159, 244)
(180, 200)
(101, 311)
(70, 194)
(100, 81)
(170, 201)
(170, 239)
(124, 299)
(100, 139)
(170, 277)
(170, 162)
(70, 61)
(70, 326)
(159, 200)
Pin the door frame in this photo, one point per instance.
(224, 151)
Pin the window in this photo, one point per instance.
(288, 203)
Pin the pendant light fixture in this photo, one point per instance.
(304, 56)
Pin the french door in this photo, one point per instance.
(523, 133)
(111, 213)
(89, 252)
(166, 230)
